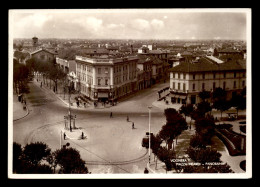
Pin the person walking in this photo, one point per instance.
(41, 84)
(127, 118)
(82, 135)
(133, 125)
(64, 136)
(111, 115)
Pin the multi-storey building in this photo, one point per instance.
(106, 79)
(207, 73)
(144, 74)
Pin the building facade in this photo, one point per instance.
(106, 79)
(188, 79)
(43, 55)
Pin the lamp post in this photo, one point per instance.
(149, 108)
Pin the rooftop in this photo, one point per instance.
(207, 65)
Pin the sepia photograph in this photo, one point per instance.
(129, 93)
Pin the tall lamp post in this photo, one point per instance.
(149, 108)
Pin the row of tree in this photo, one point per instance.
(218, 100)
(21, 75)
(38, 158)
(49, 70)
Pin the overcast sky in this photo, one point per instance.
(128, 24)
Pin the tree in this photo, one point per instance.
(166, 156)
(175, 124)
(70, 161)
(35, 152)
(17, 152)
(20, 77)
(203, 107)
(204, 95)
(205, 128)
(197, 141)
(27, 160)
(220, 101)
(203, 155)
(239, 102)
(221, 105)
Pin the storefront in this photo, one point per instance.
(178, 98)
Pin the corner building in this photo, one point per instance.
(190, 78)
(108, 78)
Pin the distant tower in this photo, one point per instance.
(35, 41)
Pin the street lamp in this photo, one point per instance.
(149, 108)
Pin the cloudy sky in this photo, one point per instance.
(128, 24)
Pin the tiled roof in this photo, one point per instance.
(39, 50)
(94, 51)
(228, 50)
(206, 65)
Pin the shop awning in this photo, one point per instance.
(182, 96)
(179, 96)
(102, 94)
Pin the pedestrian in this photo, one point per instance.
(64, 136)
(25, 101)
(146, 171)
(82, 135)
(133, 125)
(111, 115)
(127, 118)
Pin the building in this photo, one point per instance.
(108, 78)
(44, 55)
(144, 73)
(190, 78)
(69, 67)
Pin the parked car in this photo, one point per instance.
(145, 140)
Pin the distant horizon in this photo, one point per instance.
(125, 24)
(130, 39)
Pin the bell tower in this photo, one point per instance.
(35, 41)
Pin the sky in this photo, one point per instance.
(129, 24)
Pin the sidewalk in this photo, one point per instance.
(18, 111)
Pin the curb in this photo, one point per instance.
(27, 113)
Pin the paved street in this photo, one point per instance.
(110, 142)
(111, 145)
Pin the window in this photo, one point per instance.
(193, 86)
(179, 86)
(179, 75)
(106, 70)
(194, 76)
(203, 86)
(214, 75)
(235, 84)
(106, 82)
(184, 76)
(214, 85)
(173, 75)
(235, 74)
(224, 85)
(243, 84)
(99, 82)
(99, 70)
(224, 75)
(203, 76)
(173, 85)
(184, 87)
